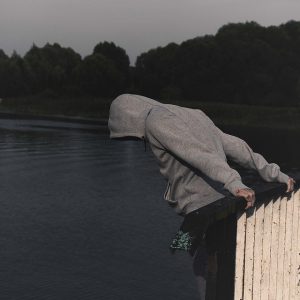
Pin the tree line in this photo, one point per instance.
(56, 70)
(242, 63)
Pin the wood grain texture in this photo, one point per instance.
(288, 249)
(274, 248)
(264, 288)
(240, 253)
(297, 292)
(295, 251)
(281, 247)
(248, 276)
(259, 227)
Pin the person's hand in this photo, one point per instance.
(290, 185)
(248, 194)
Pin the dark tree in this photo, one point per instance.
(155, 71)
(242, 63)
(98, 76)
(116, 54)
(52, 66)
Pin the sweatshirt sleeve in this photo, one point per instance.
(172, 134)
(240, 152)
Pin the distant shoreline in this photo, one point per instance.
(96, 111)
(50, 117)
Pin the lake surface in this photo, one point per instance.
(82, 216)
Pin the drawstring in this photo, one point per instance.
(143, 136)
(144, 142)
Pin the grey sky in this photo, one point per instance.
(135, 25)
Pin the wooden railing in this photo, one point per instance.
(267, 260)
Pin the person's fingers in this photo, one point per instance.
(290, 185)
(248, 205)
(252, 198)
(292, 182)
(249, 196)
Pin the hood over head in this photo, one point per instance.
(127, 115)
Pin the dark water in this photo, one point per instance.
(82, 216)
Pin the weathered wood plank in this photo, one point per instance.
(297, 294)
(288, 249)
(248, 271)
(295, 251)
(259, 228)
(274, 248)
(266, 250)
(239, 257)
(281, 247)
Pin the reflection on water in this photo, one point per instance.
(82, 217)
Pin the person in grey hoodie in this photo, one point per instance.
(191, 152)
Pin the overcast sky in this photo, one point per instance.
(135, 25)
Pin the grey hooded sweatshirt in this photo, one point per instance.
(191, 151)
